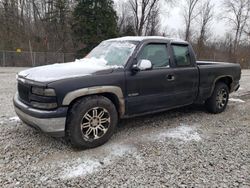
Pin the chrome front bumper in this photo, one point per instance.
(41, 120)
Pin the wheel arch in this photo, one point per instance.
(227, 79)
(113, 93)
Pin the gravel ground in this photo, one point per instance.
(186, 147)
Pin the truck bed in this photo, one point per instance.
(206, 63)
(211, 71)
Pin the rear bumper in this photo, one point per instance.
(50, 122)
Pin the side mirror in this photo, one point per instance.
(143, 64)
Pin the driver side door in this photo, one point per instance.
(149, 90)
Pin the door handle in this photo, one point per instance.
(170, 77)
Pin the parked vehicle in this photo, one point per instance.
(120, 78)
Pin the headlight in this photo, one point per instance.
(43, 105)
(43, 91)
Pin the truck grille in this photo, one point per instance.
(23, 91)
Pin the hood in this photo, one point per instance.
(78, 68)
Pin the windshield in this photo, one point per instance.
(114, 52)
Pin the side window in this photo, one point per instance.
(157, 54)
(181, 55)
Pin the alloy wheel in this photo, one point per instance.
(95, 123)
(221, 98)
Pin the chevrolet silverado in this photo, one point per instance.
(120, 78)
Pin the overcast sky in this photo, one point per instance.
(172, 18)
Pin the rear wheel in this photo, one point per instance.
(217, 103)
(91, 122)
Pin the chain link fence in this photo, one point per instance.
(28, 59)
(33, 59)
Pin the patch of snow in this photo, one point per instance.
(236, 100)
(14, 119)
(89, 165)
(18, 183)
(123, 44)
(116, 53)
(183, 132)
(80, 67)
(141, 38)
(120, 150)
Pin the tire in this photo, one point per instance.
(217, 103)
(91, 122)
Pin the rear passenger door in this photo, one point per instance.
(186, 74)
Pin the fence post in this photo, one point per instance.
(3, 58)
(34, 57)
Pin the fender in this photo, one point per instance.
(96, 90)
(220, 77)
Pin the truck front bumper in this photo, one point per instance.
(50, 122)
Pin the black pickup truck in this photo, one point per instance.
(120, 78)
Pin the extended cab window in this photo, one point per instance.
(181, 55)
(157, 54)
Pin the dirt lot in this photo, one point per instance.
(180, 148)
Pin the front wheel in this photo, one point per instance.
(91, 122)
(217, 103)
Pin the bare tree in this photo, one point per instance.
(44, 24)
(122, 16)
(153, 23)
(142, 10)
(228, 45)
(247, 31)
(189, 15)
(125, 19)
(237, 14)
(204, 20)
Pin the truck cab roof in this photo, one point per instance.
(149, 38)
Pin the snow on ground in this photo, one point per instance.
(184, 133)
(90, 164)
(87, 167)
(14, 119)
(236, 100)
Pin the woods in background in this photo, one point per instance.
(93, 21)
(43, 24)
(79, 25)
